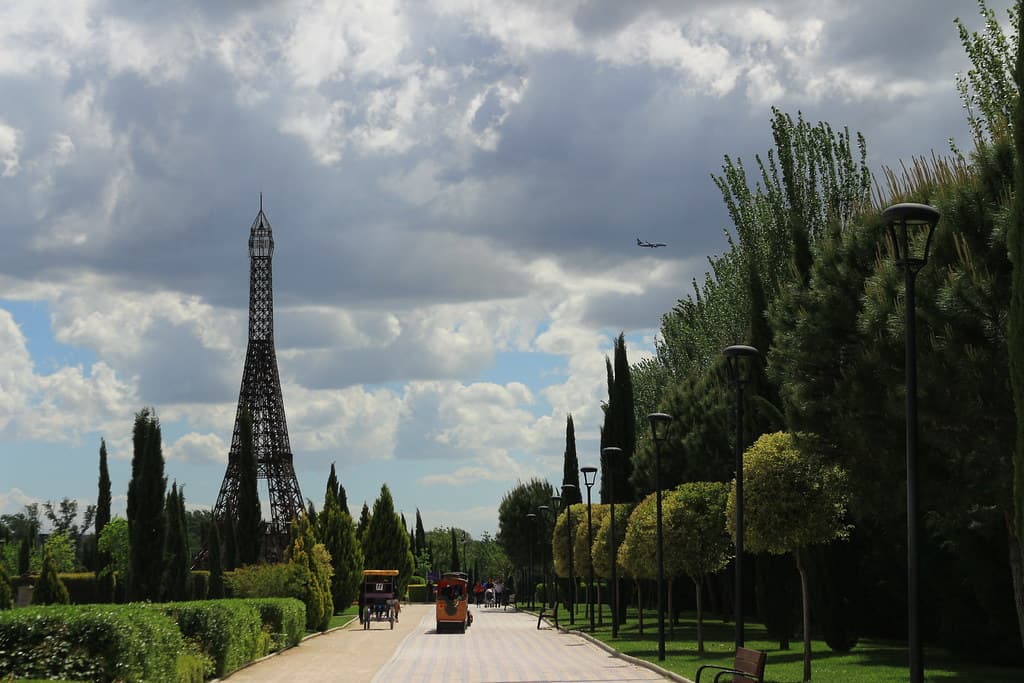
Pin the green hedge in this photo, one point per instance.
(89, 642)
(284, 617)
(417, 592)
(229, 631)
(200, 584)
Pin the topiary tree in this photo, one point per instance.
(49, 589)
(696, 540)
(602, 543)
(638, 549)
(337, 531)
(792, 499)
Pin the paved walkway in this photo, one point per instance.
(500, 647)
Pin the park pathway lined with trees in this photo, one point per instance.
(500, 646)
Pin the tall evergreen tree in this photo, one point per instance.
(386, 542)
(102, 504)
(571, 465)
(1015, 242)
(337, 532)
(24, 554)
(363, 525)
(146, 508)
(216, 588)
(249, 529)
(619, 428)
(49, 589)
(176, 580)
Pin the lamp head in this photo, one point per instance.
(589, 476)
(907, 225)
(659, 426)
(531, 516)
(739, 371)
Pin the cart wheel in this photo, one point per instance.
(391, 620)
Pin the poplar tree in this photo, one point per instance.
(249, 529)
(146, 508)
(571, 466)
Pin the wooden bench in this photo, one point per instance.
(748, 666)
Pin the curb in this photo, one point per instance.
(651, 666)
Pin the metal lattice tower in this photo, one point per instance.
(260, 394)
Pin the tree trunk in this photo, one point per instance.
(807, 616)
(640, 605)
(700, 617)
(1016, 572)
(671, 620)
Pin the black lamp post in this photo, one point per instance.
(543, 510)
(609, 453)
(907, 226)
(659, 430)
(556, 503)
(569, 533)
(739, 375)
(533, 533)
(465, 555)
(589, 477)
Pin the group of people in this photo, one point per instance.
(492, 593)
(379, 609)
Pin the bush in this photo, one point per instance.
(49, 589)
(417, 592)
(229, 631)
(284, 617)
(200, 584)
(416, 579)
(84, 588)
(89, 642)
(6, 590)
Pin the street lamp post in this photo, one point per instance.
(589, 477)
(533, 534)
(556, 502)
(543, 510)
(465, 555)
(571, 536)
(739, 375)
(609, 453)
(903, 221)
(659, 430)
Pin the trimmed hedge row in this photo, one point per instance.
(85, 589)
(182, 641)
(89, 642)
(417, 592)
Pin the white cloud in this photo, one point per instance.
(193, 447)
(10, 148)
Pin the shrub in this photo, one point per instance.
(284, 617)
(84, 588)
(6, 590)
(229, 631)
(417, 592)
(200, 584)
(89, 642)
(49, 589)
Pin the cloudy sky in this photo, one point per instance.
(455, 187)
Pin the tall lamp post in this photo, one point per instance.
(571, 536)
(659, 430)
(533, 541)
(543, 510)
(903, 222)
(739, 375)
(589, 478)
(612, 453)
(556, 503)
(465, 555)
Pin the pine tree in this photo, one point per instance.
(49, 589)
(146, 508)
(175, 582)
(363, 525)
(216, 588)
(571, 466)
(249, 529)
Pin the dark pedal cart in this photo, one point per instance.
(380, 600)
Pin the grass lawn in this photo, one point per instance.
(872, 661)
(342, 618)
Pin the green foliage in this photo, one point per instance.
(571, 465)
(792, 498)
(62, 552)
(603, 538)
(6, 590)
(113, 543)
(386, 541)
(314, 563)
(24, 553)
(337, 531)
(281, 580)
(638, 547)
(619, 427)
(696, 540)
(285, 617)
(1015, 243)
(563, 535)
(85, 588)
(176, 583)
(228, 631)
(146, 508)
(516, 531)
(49, 589)
(363, 524)
(89, 642)
(454, 563)
(216, 568)
(249, 524)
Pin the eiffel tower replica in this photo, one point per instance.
(260, 394)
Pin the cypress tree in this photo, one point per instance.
(386, 543)
(175, 582)
(619, 426)
(216, 588)
(454, 560)
(24, 554)
(337, 532)
(363, 525)
(571, 466)
(421, 535)
(102, 502)
(332, 486)
(249, 528)
(146, 509)
(1015, 345)
(49, 589)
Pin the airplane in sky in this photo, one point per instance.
(649, 245)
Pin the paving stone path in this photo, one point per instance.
(500, 647)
